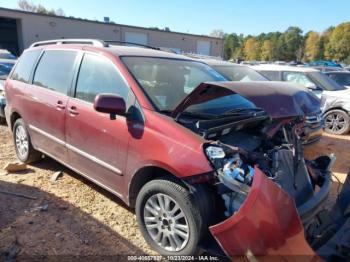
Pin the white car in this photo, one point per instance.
(336, 98)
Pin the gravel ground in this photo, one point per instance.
(74, 217)
(80, 219)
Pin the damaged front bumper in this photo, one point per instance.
(269, 223)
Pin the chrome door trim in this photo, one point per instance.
(93, 159)
(82, 174)
(77, 150)
(47, 135)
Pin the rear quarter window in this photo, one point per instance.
(25, 66)
(55, 70)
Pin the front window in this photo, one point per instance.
(325, 82)
(239, 73)
(168, 81)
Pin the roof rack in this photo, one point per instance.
(94, 42)
(130, 43)
(200, 56)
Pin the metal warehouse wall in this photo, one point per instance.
(34, 27)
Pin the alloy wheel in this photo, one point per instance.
(166, 222)
(21, 140)
(335, 122)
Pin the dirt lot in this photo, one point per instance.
(74, 217)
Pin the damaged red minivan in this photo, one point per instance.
(207, 164)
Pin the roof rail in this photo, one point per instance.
(200, 56)
(130, 43)
(94, 42)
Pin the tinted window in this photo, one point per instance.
(25, 66)
(271, 75)
(325, 82)
(342, 79)
(97, 75)
(55, 70)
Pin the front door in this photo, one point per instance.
(97, 145)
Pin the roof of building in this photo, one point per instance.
(104, 23)
(270, 67)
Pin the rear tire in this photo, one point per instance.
(23, 145)
(167, 231)
(337, 122)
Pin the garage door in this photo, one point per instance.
(137, 38)
(203, 47)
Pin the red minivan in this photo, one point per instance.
(207, 164)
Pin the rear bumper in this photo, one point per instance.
(269, 224)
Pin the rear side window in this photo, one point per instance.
(271, 75)
(55, 70)
(97, 75)
(25, 66)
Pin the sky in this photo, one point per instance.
(202, 17)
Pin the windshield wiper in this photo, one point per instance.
(242, 111)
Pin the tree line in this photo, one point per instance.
(291, 45)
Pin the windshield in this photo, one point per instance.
(7, 56)
(239, 73)
(168, 81)
(325, 82)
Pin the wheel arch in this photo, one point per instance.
(143, 176)
(13, 118)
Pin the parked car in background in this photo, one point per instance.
(235, 72)
(336, 98)
(324, 63)
(328, 68)
(6, 56)
(200, 167)
(341, 77)
(5, 69)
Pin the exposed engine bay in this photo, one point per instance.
(274, 146)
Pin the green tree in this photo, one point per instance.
(313, 47)
(232, 45)
(292, 43)
(269, 50)
(251, 49)
(338, 46)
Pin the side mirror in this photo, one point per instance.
(110, 104)
(313, 87)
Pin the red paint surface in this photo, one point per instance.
(266, 224)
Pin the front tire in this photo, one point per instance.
(169, 219)
(23, 145)
(337, 122)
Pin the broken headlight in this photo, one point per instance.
(229, 163)
(234, 174)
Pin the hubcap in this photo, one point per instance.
(21, 141)
(166, 223)
(335, 122)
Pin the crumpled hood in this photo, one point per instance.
(278, 99)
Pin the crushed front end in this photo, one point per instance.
(272, 200)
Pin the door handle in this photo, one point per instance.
(73, 110)
(60, 105)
